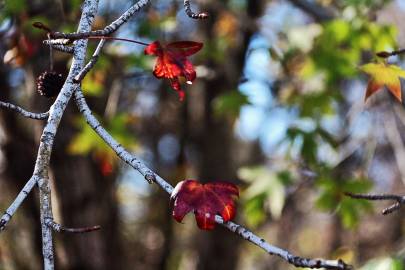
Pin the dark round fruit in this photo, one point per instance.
(49, 83)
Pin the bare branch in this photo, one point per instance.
(79, 77)
(121, 152)
(47, 138)
(17, 202)
(153, 177)
(59, 41)
(284, 254)
(63, 48)
(192, 14)
(28, 114)
(400, 200)
(109, 29)
(61, 229)
(40, 175)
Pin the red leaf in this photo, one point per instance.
(205, 200)
(172, 62)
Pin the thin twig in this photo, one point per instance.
(121, 152)
(120, 39)
(59, 41)
(62, 41)
(284, 254)
(17, 202)
(62, 48)
(28, 114)
(109, 29)
(62, 229)
(79, 77)
(192, 14)
(399, 200)
(153, 177)
(385, 54)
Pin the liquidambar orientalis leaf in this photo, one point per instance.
(381, 75)
(172, 62)
(205, 200)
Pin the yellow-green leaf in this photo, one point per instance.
(383, 75)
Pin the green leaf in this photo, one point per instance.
(253, 210)
(230, 104)
(87, 140)
(266, 185)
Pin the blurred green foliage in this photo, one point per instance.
(331, 197)
(86, 140)
(266, 193)
(315, 69)
(14, 7)
(229, 104)
(384, 264)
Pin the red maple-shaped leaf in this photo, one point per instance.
(205, 200)
(172, 62)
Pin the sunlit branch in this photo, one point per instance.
(28, 114)
(62, 229)
(63, 48)
(109, 29)
(399, 200)
(79, 77)
(284, 254)
(121, 152)
(153, 177)
(191, 13)
(17, 202)
(89, 9)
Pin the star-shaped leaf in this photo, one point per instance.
(383, 75)
(172, 62)
(205, 200)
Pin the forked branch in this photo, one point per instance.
(399, 200)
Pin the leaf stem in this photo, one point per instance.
(385, 54)
(119, 39)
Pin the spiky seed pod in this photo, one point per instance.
(49, 83)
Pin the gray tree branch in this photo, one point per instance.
(191, 13)
(28, 114)
(399, 200)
